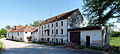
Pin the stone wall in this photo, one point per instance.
(75, 20)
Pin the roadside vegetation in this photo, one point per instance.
(1, 45)
(115, 41)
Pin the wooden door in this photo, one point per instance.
(75, 37)
(88, 41)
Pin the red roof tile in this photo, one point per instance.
(23, 29)
(59, 17)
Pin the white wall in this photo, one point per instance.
(21, 35)
(95, 36)
(54, 35)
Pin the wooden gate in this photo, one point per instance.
(75, 37)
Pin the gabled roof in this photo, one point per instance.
(23, 29)
(59, 17)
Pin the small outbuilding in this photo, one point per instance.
(98, 37)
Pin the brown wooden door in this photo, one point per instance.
(75, 37)
(88, 41)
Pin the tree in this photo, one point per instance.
(3, 32)
(31, 24)
(26, 25)
(98, 12)
(8, 27)
(36, 23)
(19, 25)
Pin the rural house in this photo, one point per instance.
(20, 33)
(55, 29)
(70, 27)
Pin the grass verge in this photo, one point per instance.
(115, 42)
(1, 45)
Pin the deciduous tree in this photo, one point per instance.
(98, 12)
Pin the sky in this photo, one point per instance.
(21, 12)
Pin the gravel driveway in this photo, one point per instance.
(13, 47)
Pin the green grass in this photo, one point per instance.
(1, 45)
(115, 41)
(1, 37)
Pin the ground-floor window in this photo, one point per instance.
(61, 41)
(56, 40)
(47, 39)
(52, 39)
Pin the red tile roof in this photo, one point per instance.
(59, 17)
(23, 29)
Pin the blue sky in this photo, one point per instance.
(15, 12)
(21, 12)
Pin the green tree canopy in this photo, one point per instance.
(3, 32)
(26, 25)
(8, 27)
(98, 12)
(36, 23)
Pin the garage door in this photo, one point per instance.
(75, 37)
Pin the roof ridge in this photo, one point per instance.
(60, 15)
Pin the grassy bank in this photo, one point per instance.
(1, 37)
(115, 41)
(1, 45)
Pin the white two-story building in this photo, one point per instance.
(55, 29)
(20, 33)
(70, 27)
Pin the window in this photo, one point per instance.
(18, 33)
(56, 40)
(52, 39)
(56, 24)
(44, 26)
(52, 31)
(39, 27)
(61, 31)
(45, 32)
(42, 32)
(25, 32)
(48, 25)
(61, 41)
(52, 24)
(61, 23)
(56, 31)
